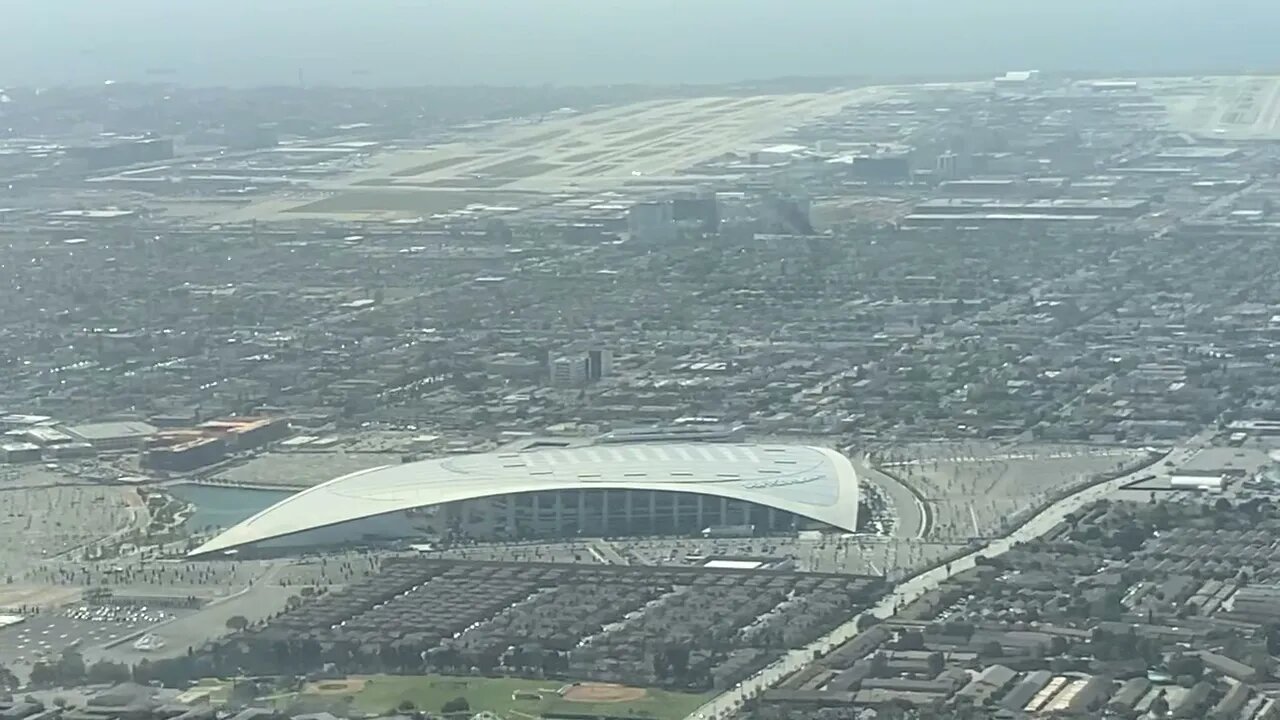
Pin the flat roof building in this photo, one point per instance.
(113, 435)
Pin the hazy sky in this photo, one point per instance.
(398, 42)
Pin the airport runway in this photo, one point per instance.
(525, 162)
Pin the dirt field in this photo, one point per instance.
(349, 686)
(603, 693)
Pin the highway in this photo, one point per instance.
(912, 589)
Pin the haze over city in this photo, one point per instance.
(639, 360)
(576, 42)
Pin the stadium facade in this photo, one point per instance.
(594, 490)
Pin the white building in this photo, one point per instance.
(569, 371)
(593, 490)
(1205, 482)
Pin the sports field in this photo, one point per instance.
(511, 698)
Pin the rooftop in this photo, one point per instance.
(813, 482)
(111, 430)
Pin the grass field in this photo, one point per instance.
(427, 167)
(521, 167)
(381, 693)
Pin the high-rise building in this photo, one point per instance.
(703, 212)
(569, 371)
(948, 166)
(599, 363)
(785, 215)
(652, 222)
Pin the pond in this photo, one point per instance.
(223, 507)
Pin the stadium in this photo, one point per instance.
(593, 490)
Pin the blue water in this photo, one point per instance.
(466, 42)
(224, 506)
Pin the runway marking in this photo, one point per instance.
(440, 164)
(658, 139)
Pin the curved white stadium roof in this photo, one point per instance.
(817, 483)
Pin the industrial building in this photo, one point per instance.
(1065, 207)
(19, 452)
(210, 442)
(108, 436)
(247, 433)
(183, 451)
(648, 489)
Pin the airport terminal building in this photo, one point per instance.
(588, 491)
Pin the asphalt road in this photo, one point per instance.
(912, 517)
(727, 702)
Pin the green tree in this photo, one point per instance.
(1260, 661)
(242, 692)
(105, 672)
(1190, 665)
(70, 666)
(1273, 639)
(1057, 645)
(912, 640)
(456, 705)
(8, 681)
(678, 660)
(43, 675)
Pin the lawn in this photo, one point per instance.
(429, 692)
(218, 690)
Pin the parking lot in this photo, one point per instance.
(46, 635)
(42, 516)
(980, 489)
